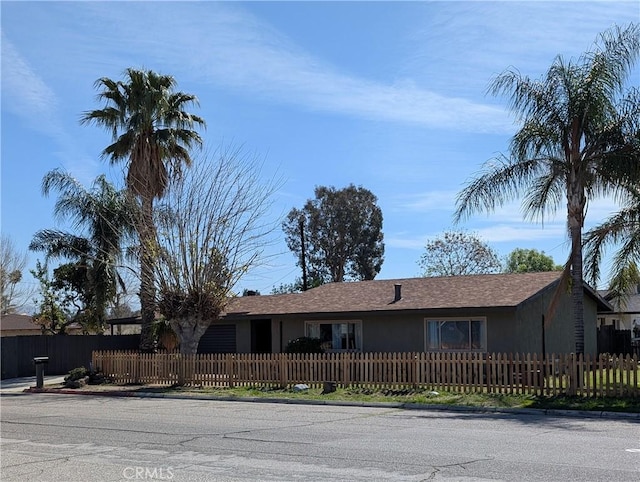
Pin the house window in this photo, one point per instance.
(456, 334)
(336, 335)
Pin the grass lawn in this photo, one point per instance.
(418, 396)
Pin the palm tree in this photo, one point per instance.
(574, 144)
(152, 134)
(622, 230)
(105, 215)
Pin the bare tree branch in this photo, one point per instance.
(213, 227)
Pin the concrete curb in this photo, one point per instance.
(342, 403)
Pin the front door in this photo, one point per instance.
(260, 336)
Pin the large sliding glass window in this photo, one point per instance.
(456, 334)
(336, 335)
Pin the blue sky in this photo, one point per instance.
(385, 95)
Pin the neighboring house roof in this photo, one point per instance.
(477, 291)
(24, 323)
(127, 320)
(630, 304)
(15, 322)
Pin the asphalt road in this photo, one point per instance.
(85, 438)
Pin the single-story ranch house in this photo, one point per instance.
(483, 313)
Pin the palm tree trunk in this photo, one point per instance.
(576, 202)
(577, 289)
(146, 232)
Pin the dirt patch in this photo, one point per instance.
(104, 387)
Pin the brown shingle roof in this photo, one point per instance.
(18, 322)
(478, 291)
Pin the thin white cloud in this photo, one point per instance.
(600, 209)
(504, 226)
(512, 212)
(445, 201)
(225, 45)
(501, 233)
(401, 241)
(491, 233)
(25, 94)
(426, 201)
(493, 36)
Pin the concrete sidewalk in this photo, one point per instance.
(19, 385)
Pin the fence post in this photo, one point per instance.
(94, 361)
(136, 368)
(572, 374)
(634, 380)
(229, 369)
(283, 370)
(346, 378)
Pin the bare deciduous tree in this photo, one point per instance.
(212, 229)
(12, 264)
(458, 253)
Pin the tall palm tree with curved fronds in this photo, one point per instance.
(104, 216)
(578, 140)
(152, 135)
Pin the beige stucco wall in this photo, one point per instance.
(502, 336)
(393, 333)
(407, 332)
(402, 332)
(283, 330)
(559, 331)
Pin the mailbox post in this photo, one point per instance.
(40, 362)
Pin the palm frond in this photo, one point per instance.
(152, 130)
(621, 229)
(501, 181)
(624, 282)
(58, 244)
(545, 194)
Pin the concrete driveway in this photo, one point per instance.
(19, 385)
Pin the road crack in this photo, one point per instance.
(438, 468)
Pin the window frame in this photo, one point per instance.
(446, 319)
(357, 333)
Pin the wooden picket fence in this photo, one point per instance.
(604, 375)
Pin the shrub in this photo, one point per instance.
(98, 378)
(76, 374)
(304, 344)
(81, 376)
